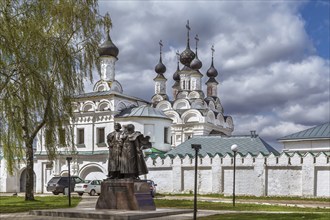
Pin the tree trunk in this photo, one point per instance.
(29, 194)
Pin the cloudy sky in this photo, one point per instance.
(272, 56)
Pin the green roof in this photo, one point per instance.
(213, 145)
(320, 131)
(153, 153)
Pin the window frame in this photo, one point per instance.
(80, 138)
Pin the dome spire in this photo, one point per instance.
(108, 48)
(188, 29)
(212, 82)
(187, 55)
(160, 68)
(196, 64)
(178, 58)
(212, 49)
(160, 50)
(107, 25)
(212, 72)
(176, 76)
(197, 39)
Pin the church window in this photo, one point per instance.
(100, 135)
(178, 138)
(166, 135)
(187, 136)
(61, 137)
(81, 136)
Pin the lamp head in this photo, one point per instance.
(196, 146)
(69, 158)
(234, 147)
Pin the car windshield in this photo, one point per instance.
(87, 181)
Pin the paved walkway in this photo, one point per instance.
(88, 203)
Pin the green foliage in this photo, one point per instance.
(11, 204)
(47, 49)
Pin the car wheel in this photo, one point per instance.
(55, 193)
(80, 194)
(92, 192)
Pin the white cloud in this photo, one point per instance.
(271, 79)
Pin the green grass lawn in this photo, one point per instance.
(11, 204)
(268, 216)
(164, 203)
(298, 213)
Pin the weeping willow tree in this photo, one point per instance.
(47, 49)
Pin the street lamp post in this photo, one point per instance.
(234, 148)
(196, 147)
(69, 174)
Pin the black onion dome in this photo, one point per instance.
(176, 75)
(196, 64)
(108, 48)
(212, 72)
(160, 68)
(187, 56)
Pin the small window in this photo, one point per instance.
(166, 135)
(100, 135)
(61, 137)
(81, 136)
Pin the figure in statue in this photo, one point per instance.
(126, 159)
(115, 143)
(132, 162)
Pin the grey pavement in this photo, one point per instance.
(88, 203)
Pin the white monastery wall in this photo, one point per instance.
(286, 175)
(323, 181)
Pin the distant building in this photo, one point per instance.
(315, 139)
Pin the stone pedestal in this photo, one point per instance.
(125, 194)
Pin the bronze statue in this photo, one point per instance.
(126, 158)
(115, 143)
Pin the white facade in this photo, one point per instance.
(285, 175)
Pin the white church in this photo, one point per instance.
(173, 125)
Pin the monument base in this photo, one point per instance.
(125, 194)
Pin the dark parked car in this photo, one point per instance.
(60, 184)
(152, 187)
